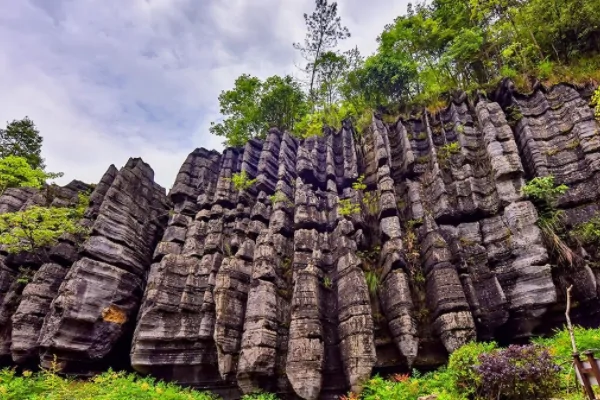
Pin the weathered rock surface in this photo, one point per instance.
(277, 287)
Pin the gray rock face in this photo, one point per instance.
(278, 287)
(97, 302)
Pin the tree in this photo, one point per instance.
(386, 78)
(22, 139)
(330, 68)
(324, 31)
(282, 102)
(253, 106)
(40, 227)
(240, 107)
(16, 172)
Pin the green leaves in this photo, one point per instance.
(543, 189)
(596, 103)
(253, 106)
(17, 172)
(39, 227)
(22, 139)
(48, 385)
(241, 181)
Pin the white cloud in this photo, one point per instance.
(105, 80)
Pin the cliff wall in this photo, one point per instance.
(272, 288)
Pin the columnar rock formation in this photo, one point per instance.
(305, 283)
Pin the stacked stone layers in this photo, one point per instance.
(20, 320)
(269, 287)
(96, 303)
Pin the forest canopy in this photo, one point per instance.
(436, 47)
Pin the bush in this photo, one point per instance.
(544, 190)
(463, 363)
(518, 372)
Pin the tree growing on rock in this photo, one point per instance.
(325, 29)
(253, 106)
(21, 138)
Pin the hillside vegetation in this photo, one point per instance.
(438, 47)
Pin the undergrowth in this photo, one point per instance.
(48, 385)
(483, 371)
(476, 371)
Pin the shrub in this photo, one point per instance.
(241, 181)
(518, 372)
(463, 363)
(38, 227)
(544, 190)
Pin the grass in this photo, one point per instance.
(47, 385)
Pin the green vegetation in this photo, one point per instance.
(39, 227)
(253, 106)
(47, 385)
(21, 138)
(372, 279)
(437, 47)
(588, 232)
(260, 396)
(348, 207)
(545, 193)
(280, 197)
(475, 371)
(16, 172)
(241, 181)
(368, 204)
(596, 103)
(327, 282)
(446, 151)
(484, 371)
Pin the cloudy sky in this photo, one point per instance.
(105, 80)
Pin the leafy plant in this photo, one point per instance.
(544, 190)
(348, 207)
(545, 193)
(280, 197)
(253, 106)
(463, 363)
(596, 103)
(518, 372)
(22, 139)
(588, 232)
(16, 172)
(38, 227)
(448, 150)
(241, 181)
(327, 282)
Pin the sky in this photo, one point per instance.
(105, 80)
